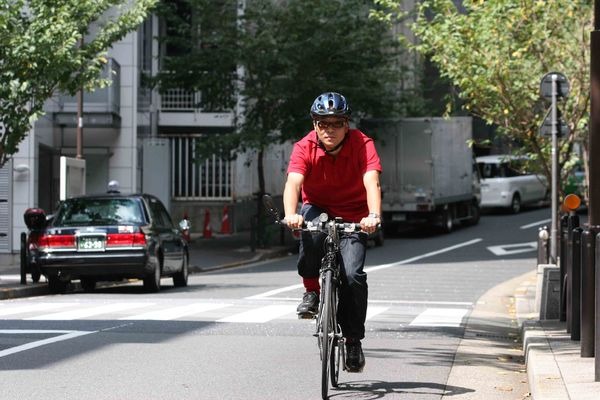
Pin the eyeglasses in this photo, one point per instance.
(333, 124)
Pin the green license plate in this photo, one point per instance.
(90, 243)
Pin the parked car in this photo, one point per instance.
(503, 184)
(110, 237)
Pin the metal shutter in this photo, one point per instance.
(5, 186)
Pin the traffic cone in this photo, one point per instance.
(225, 227)
(207, 234)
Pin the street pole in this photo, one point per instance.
(79, 137)
(594, 135)
(594, 138)
(554, 228)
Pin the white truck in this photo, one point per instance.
(429, 174)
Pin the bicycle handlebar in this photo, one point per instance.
(308, 226)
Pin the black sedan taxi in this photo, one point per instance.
(110, 237)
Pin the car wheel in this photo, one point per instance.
(152, 281)
(88, 284)
(56, 285)
(515, 204)
(35, 274)
(180, 278)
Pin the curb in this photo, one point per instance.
(545, 379)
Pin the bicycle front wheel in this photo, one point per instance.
(327, 331)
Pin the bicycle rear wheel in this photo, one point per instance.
(327, 332)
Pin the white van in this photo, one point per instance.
(503, 185)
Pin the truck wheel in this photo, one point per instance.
(475, 214)
(447, 220)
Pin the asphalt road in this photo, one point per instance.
(233, 334)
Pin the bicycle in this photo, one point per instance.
(328, 332)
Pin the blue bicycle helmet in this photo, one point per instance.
(330, 103)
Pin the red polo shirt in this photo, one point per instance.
(336, 183)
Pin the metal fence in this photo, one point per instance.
(179, 100)
(198, 179)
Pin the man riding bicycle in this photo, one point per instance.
(335, 170)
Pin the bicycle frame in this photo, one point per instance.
(329, 334)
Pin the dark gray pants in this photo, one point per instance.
(352, 307)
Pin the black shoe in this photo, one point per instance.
(309, 306)
(355, 359)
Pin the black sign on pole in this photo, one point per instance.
(562, 86)
(562, 128)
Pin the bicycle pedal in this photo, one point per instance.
(306, 316)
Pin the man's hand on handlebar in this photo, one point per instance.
(370, 223)
(294, 221)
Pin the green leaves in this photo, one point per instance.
(40, 53)
(497, 51)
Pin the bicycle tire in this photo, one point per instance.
(326, 327)
(334, 360)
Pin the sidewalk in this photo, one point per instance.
(218, 252)
(555, 368)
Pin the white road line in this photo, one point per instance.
(426, 255)
(27, 346)
(5, 311)
(275, 291)
(451, 317)
(375, 268)
(260, 315)
(538, 223)
(89, 311)
(177, 312)
(375, 310)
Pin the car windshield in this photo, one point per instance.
(103, 211)
(502, 170)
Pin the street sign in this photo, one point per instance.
(562, 128)
(562, 86)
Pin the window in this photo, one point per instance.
(202, 179)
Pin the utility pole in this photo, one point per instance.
(80, 116)
(594, 190)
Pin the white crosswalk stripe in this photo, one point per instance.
(228, 311)
(260, 315)
(438, 317)
(36, 307)
(372, 311)
(89, 311)
(177, 312)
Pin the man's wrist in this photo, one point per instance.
(373, 215)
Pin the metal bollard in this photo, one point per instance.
(597, 312)
(576, 284)
(588, 305)
(572, 223)
(564, 236)
(543, 254)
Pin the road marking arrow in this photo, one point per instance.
(508, 249)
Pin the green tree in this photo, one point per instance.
(283, 54)
(40, 53)
(496, 52)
